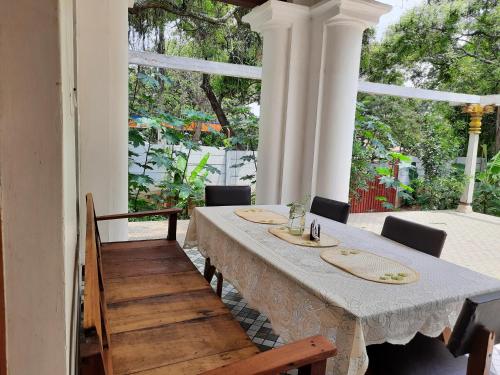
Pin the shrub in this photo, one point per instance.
(438, 192)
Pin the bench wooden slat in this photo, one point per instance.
(137, 244)
(133, 288)
(199, 365)
(165, 266)
(132, 254)
(174, 343)
(156, 311)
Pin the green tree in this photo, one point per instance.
(202, 29)
(445, 45)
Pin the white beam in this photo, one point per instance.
(490, 100)
(255, 72)
(416, 93)
(194, 65)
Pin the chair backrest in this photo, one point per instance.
(216, 195)
(420, 237)
(479, 314)
(95, 353)
(334, 210)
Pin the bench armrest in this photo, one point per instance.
(166, 212)
(171, 213)
(309, 354)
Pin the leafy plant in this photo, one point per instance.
(439, 192)
(180, 187)
(245, 137)
(487, 188)
(373, 159)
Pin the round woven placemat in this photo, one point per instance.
(369, 266)
(261, 216)
(284, 234)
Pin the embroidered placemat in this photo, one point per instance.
(261, 216)
(370, 266)
(284, 234)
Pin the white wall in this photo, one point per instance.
(38, 184)
(219, 158)
(102, 79)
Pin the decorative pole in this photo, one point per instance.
(476, 112)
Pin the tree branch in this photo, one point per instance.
(171, 7)
(214, 102)
(474, 56)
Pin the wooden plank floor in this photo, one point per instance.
(164, 316)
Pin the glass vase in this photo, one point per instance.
(297, 219)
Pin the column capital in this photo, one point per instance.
(275, 14)
(476, 112)
(363, 13)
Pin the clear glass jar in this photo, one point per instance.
(297, 219)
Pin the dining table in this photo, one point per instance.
(302, 295)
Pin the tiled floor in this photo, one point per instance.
(465, 232)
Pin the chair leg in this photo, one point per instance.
(209, 270)
(479, 362)
(445, 335)
(220, 279)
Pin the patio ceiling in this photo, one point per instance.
(241, 3)
(244, 3)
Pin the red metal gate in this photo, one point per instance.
(367, 201)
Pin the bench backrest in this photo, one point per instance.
(95, 352)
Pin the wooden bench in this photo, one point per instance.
(148, 311)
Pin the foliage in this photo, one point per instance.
(449, 45)
(246, 137)
(443, 181)
(201, 29)
(438, 146)
(487, 189)
(180, 187)
(373, 156)
(445, 45)
(439, 192)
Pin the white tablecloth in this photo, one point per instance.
(302, 295)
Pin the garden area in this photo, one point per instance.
(180, 121)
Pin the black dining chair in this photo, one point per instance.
(219, 195)
(334, 210)
(216, 195)
(417, 236)
(476, 331)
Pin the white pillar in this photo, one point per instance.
(296, 110)
(343, 27)
(275, 21)
(102, 52)
(465, 205)
(272, 116)
(476, 112)
(309, 87)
